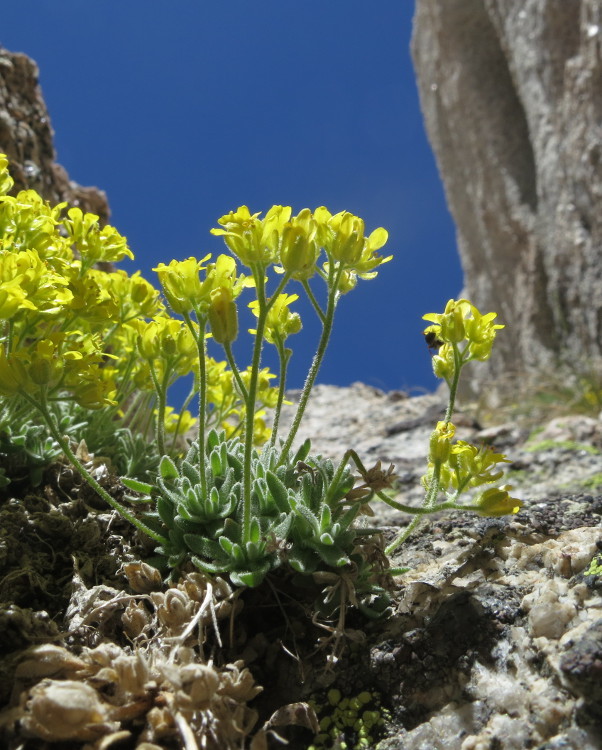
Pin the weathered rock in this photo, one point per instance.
(512, 97)
(26, 138)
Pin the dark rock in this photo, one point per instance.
(26, 138)
(581, 664)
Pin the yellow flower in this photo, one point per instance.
(222, 274)
(13, 375)
(136, 296)
(261, 432)
(13, 299)
(347, 282)
(253, 240)
(46, 365)
(449, 326)
(223, 316)
(42, 288)
(182, 285)
(94, 394)
(481, 332)
(95, 244)
(299, 248)
(186, 421)
(473, 466)
(443, 362)
(462, 321)
(497, 502)
(169, 339)
(440, 442)
(343, 238)
(280, 321)
(94, 300)
(6, 181)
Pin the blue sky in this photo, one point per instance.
(183, 111)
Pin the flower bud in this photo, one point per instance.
(348, 241)
(223, 316)
(497, 502)
(440, 442)
(13, 376)
(443, 363)
(45, 366)
(298, 253)
(181, 284)
(147, 341)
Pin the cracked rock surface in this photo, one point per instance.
(495, 640)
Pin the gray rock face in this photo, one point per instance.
(496, 641)
(26, 138)
(511, 92)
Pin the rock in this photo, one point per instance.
(493, 644)
(581, 663)
(577, 428)
(26, 138)
(512, 98)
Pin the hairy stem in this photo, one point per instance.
(284, 356)
(199, 337)
(235, 371)
(333, 281)
(258, 274)
(453, 386)
(314, 301)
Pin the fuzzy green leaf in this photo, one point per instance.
(202, 545)
(278, 491)
(255, 531)
(166, 510)
(303, 561)
(209, 568)
(216, 463)
(302, 452)
(134, 484)
(168, 469)
(250, 578)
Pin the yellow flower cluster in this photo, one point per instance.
(459, 466)
(293, 243)
(71, 330)
(461, 322)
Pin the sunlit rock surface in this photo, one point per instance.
(512, 98)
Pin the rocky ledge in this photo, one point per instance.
(497, 638)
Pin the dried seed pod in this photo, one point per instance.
(136, 620)
(174, 608)
(238, 683)
(133, 674)
(66, 710)
(160, 722)
(143, 578)
(46, 661)
(202, 682)
(111, 739)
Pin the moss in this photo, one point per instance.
(349, 723)
(569, 445)
(595, 567)
(592, 483)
